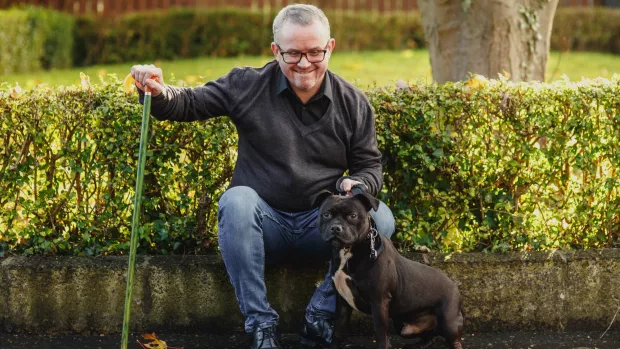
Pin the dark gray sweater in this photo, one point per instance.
(283, 160)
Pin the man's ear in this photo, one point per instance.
(274, 49)
(368, 200)
(318, 198)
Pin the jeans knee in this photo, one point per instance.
(237, 203)
(384, 219)
(239, 219)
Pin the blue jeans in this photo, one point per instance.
(252, 234)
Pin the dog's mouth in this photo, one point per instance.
(339, 244)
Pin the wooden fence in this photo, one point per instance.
(116, 7)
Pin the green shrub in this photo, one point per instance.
(48, 39)
(184, 33)
(34, 38)
(21, 46)
(586, 29)
(469, 166)
(174, 34)
(492, 165)
(58, 32)
(67, 174)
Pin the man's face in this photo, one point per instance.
(305, 77)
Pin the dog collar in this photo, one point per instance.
(376, 246)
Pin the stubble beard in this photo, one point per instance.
(305, 82)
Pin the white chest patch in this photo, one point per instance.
(340, 279)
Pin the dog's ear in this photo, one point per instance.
(368, 200)
(318, 198)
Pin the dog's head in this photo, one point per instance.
(343, 220)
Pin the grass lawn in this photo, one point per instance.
(362, 68)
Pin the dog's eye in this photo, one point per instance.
(327, 215)
(352, 215)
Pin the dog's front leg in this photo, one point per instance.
(343, 317)
(381, 318)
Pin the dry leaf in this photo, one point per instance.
(476, 82)
(155, 343)
(16, 91)
(85, 80)
(129, 83)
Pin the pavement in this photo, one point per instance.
(511, 340)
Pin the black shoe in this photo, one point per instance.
(266, 338)
(317, 334)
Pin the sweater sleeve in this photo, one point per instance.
(215, 98)
(365, 157)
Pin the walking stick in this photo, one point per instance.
(135, 223)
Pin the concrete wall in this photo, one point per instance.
(85, 295)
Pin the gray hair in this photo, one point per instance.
(300, 14)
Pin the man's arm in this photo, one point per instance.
(192, 104)
(365, 157)
(215, 98)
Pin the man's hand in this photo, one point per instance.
(148, 75)
(347, 184)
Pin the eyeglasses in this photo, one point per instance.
(294, 57)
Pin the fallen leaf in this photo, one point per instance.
(476, 82)
(155, 343)
(129, 83)
(151, 336)
(16, 91)
(85, 80)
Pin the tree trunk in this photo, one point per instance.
(488, 37)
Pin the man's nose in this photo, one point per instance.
(304, 62)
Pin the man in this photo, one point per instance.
(300, 128)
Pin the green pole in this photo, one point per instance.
(135, 223)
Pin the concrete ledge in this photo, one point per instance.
(525, 291)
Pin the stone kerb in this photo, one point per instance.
(538, 291)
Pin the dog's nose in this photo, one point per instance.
(336, 229)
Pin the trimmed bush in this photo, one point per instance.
(48, 39)
(183, 33)
(35, 38)
(496, 166)
(21, 47)
(58, 31)
(470, 166)
(67, 174)
(586, 29)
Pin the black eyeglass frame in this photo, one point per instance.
(302, 54)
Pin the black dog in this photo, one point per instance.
(372, 277)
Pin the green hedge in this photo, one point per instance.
(182, 32)
(67, 174)
(35, 38)
(472, 166)
(492, 165)
(586, 29)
